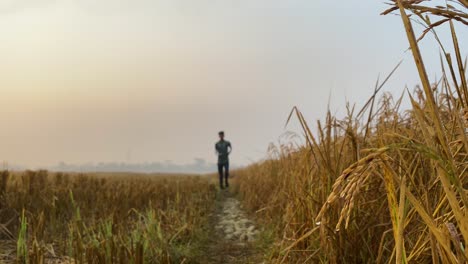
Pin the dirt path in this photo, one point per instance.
(231, 234)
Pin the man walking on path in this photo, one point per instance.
(223, 149)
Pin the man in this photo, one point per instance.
(223, 149)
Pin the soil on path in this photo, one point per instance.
(231, 234)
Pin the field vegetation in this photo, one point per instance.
(384, 184)
(102, 218)
(381, 185)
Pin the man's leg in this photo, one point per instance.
(226, 173)
(220, 172)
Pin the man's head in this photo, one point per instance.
(221, 135)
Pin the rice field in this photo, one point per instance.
(101, 218)
(384, 184)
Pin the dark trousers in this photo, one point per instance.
(226, 173)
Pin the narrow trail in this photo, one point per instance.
(231, 234)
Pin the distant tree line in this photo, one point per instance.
(198, 165)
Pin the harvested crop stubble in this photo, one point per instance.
(108, 218)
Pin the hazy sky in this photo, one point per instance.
(149, 80)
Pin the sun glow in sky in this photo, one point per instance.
(87, 81)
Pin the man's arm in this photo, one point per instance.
(230, 148)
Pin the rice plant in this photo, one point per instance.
(78, 218)
(383, 184)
